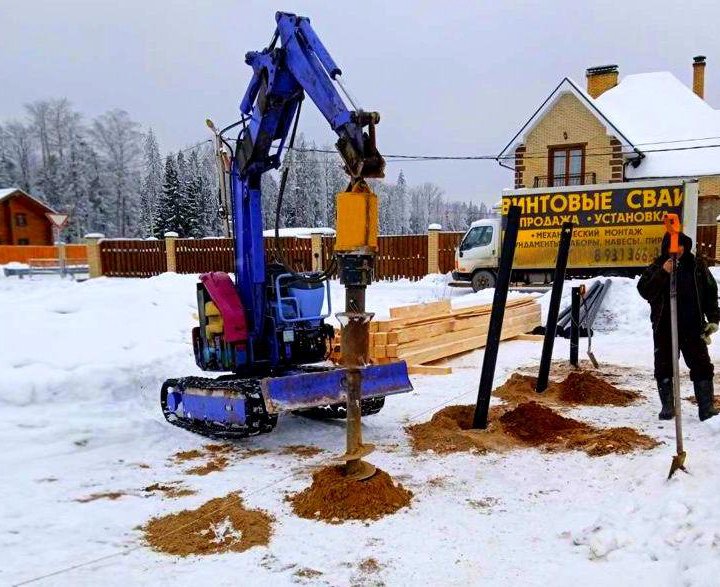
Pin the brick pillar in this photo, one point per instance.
(434, 248)
(717, 241)
(92, 242)
(170, 238)
(317, 256)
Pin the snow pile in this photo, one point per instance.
(92, 340)
(623, 309)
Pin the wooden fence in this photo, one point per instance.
(24, 253)
(296, 252)
(447, 243)
(203, 255)
(133, 258)
(398, 257)
(402, 256)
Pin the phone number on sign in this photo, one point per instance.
(619, 254)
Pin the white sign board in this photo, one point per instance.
(58, 220)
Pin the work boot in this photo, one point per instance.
(665, 390)
(705, 396)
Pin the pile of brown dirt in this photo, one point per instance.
(582, 387)
(450, 430)
(534, 424)
(623, 440)
(218, 457)
(334, 498)
(578, 388)
(187, 455)
(529, 424)
(221, 525)
(214, 464)
(173, 489)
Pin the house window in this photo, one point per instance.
(23, 241)
(566, 165)
(20, 220)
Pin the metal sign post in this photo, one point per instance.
(59, 221)
(554, 310)
(497, 315)
(575, 325)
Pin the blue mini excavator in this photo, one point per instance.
(267, 329)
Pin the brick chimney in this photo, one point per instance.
(699, 75)
(601, 78)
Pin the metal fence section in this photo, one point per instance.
(402, 256)
(203, 255)
(133, 258)
(447, 243)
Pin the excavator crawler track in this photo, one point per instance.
(257, 419)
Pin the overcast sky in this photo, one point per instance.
(450, 78)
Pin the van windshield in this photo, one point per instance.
(479, 236)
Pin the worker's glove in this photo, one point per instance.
(710, 329)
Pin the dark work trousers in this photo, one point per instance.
(693, 349)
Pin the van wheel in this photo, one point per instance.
(482, 280)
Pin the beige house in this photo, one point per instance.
(642, 126)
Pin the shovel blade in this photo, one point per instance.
(678, 463)
(593, 360)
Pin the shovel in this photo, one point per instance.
(672, 225)
(590, 353)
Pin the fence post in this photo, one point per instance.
(317, 252)
(170, 238)
(433, 256)
(92, 242)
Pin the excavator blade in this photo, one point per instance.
(310, 390)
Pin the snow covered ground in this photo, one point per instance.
(80, 369)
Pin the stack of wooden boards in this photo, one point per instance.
(423, 333)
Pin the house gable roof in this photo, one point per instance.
(663, 126)
(6, 193)
(566, 86)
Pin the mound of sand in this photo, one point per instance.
(578, 388)
(334, 498)
(529, 424)
(221, 525)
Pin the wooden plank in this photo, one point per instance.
(380, 352)
(530, 337)
(429, 342)
(429, 370)
(380, 338)
(455, 348)
(418, 310)
(416, 332)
